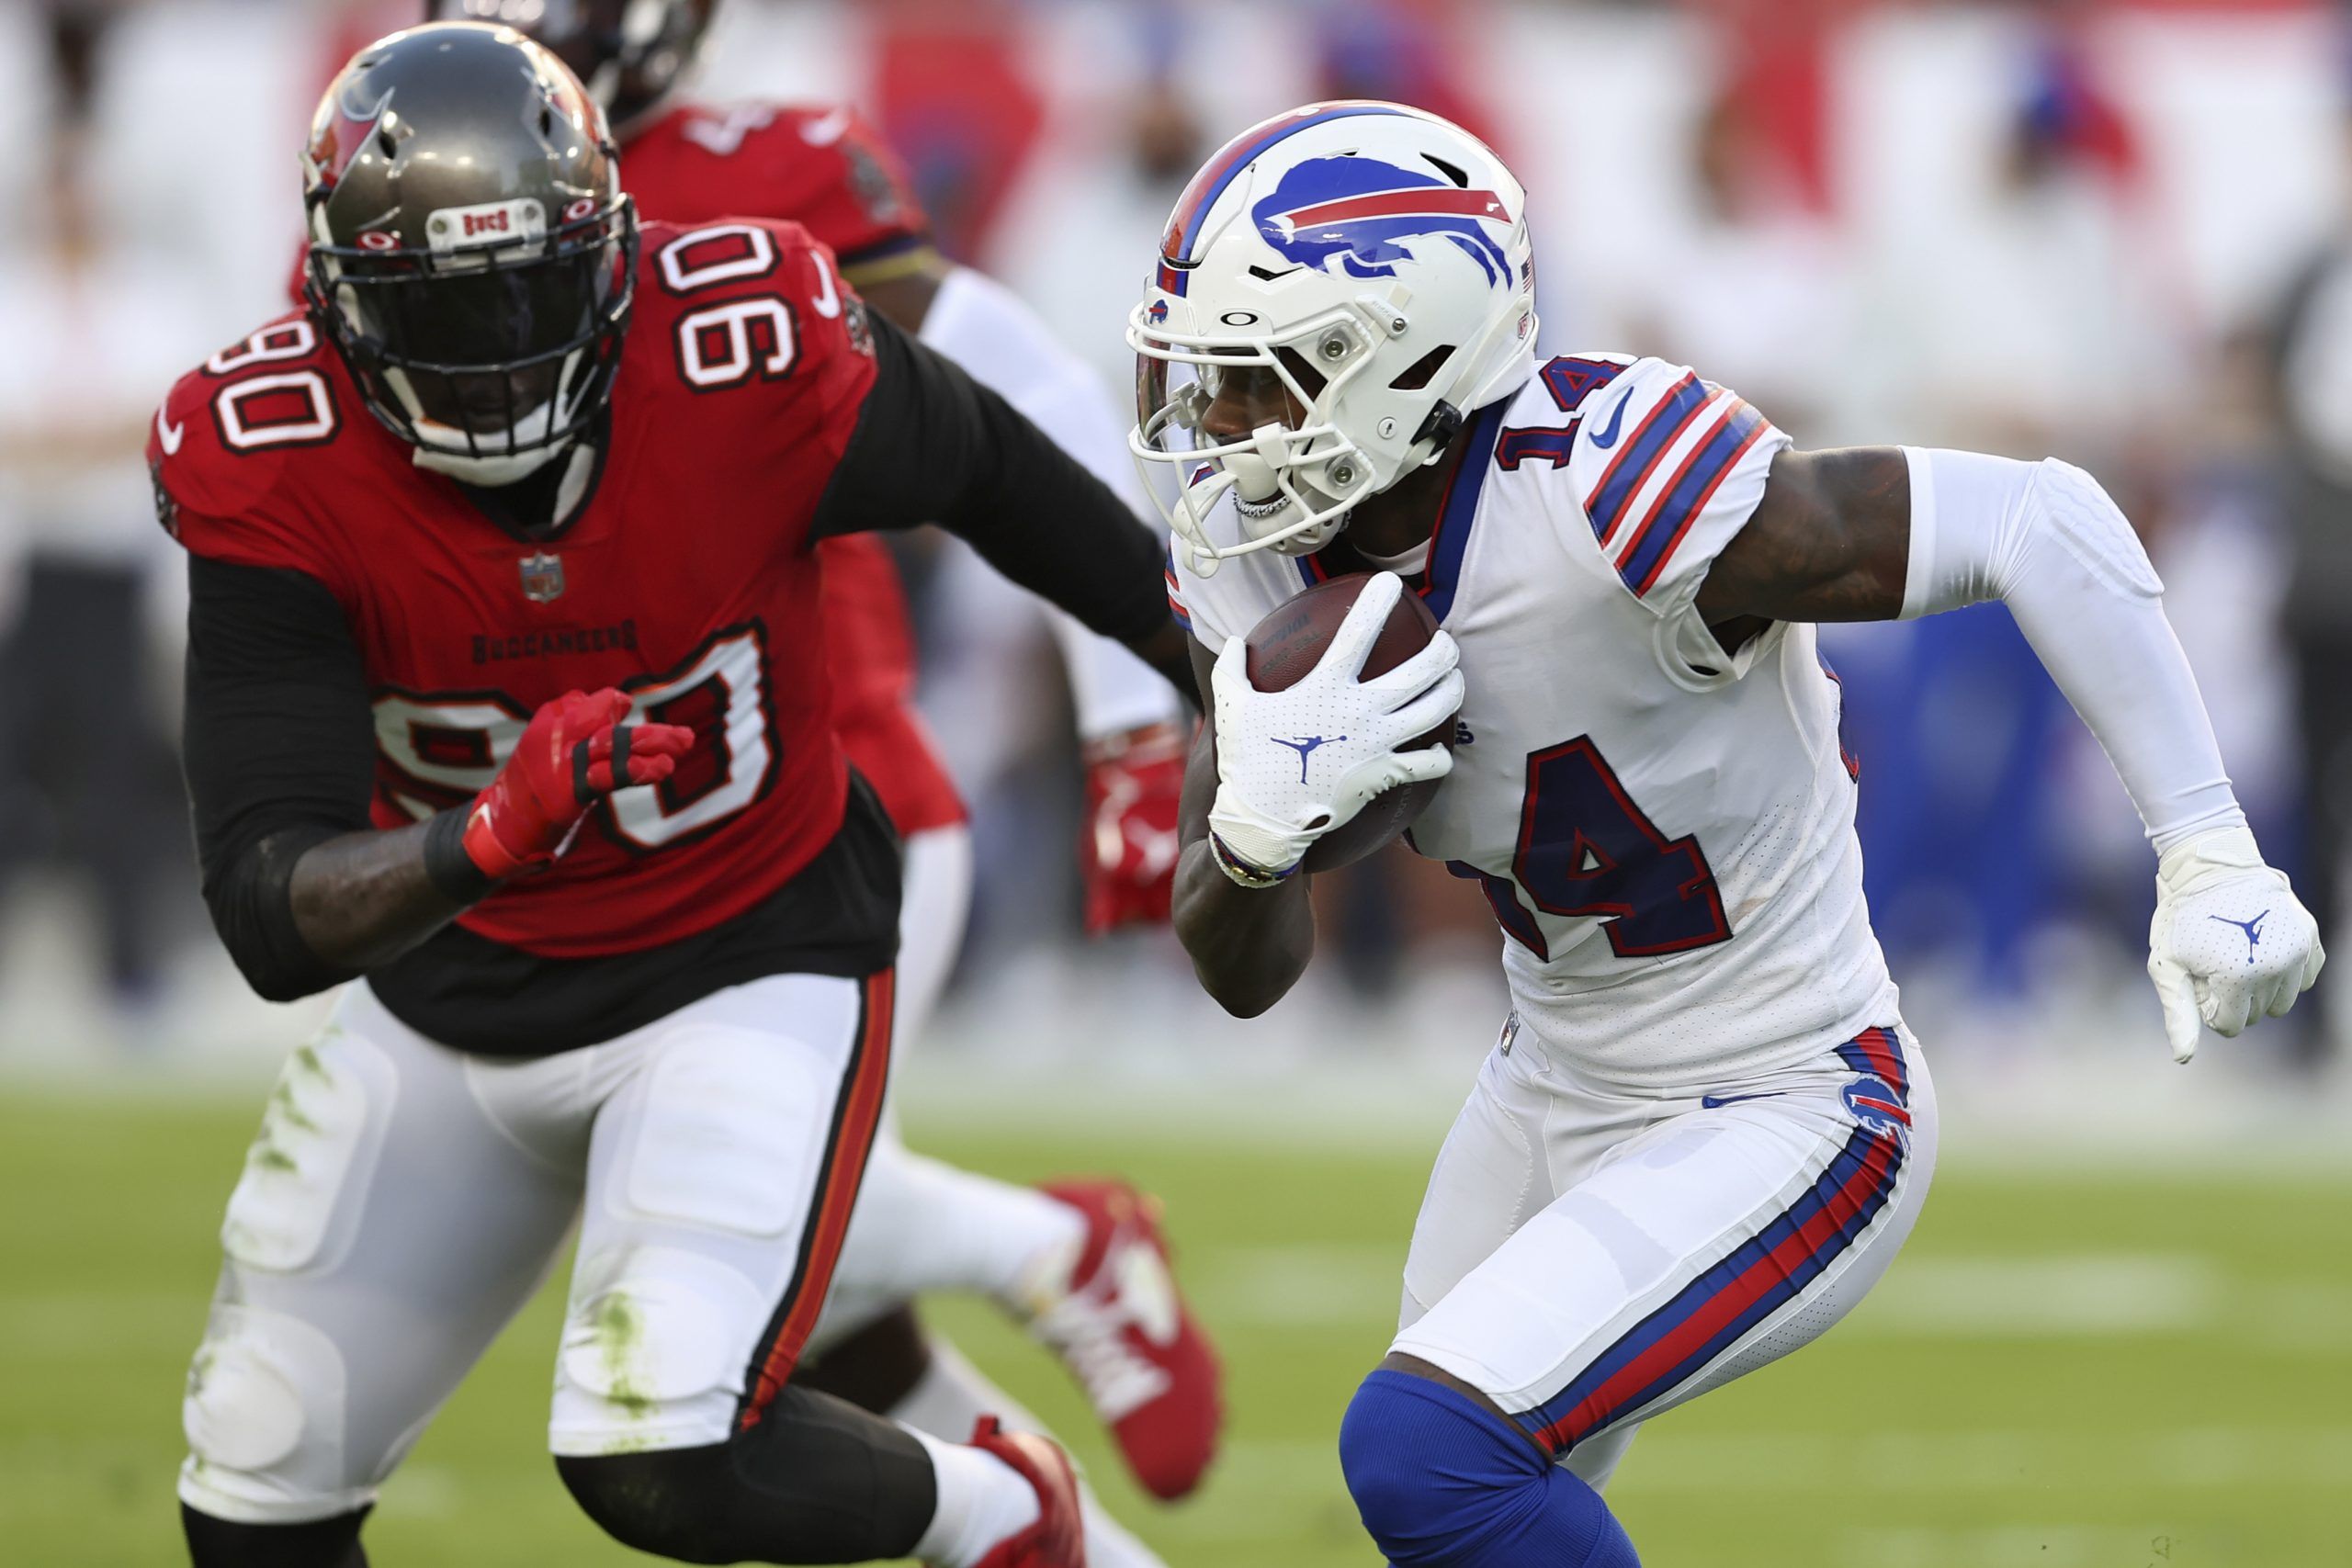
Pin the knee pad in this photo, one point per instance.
(654, 1352)
(672, 1503)
(1441, 1482)
(816, 1481)
(320, 1543)
(264, 1418)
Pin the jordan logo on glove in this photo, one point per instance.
(2252, 927)
(1304, 746)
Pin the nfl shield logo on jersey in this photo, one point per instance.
(542, 577)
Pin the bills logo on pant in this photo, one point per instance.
(1364, 215)
(1878, 1100)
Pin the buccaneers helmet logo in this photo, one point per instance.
(341, 134)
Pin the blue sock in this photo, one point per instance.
(1441, 1482)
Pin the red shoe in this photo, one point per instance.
(1058, 1538)
(1119, 1324)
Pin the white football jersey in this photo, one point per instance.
(1665, 832)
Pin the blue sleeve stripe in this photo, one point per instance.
(1626, 475)
(1176, 601)
(1175, 589)
(1687, 494)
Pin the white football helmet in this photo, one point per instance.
(1375, 258)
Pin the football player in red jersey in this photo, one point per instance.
(1086, 1289)
(508, 698)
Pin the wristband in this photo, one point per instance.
(447, 866)
(1241, 872)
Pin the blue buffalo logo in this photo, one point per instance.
(1874, 1103)
(1364, 215)
(1158, 314)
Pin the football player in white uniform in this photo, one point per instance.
(1705, 1131)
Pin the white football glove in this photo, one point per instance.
(2230, 942)
(1294, 765)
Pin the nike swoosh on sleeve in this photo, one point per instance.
(170, 434)
(1607, 437)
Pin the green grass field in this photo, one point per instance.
(2102, 1370)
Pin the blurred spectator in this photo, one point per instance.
(94, 330)
(953, 96)
(1754, 290)
(1165, 131)
(2025, 323)
(2311, 363)
(1406, 51)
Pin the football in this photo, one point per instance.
(1290, 641)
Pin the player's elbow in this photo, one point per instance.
(1243, 997)
(1246, 971)
(249, 900)
(1248, 946)
(275, 974)
(274, 981)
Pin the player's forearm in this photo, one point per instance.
(2046, 540)
(1249, 945)
(361, 900)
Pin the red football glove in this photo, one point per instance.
(1133, 784)
(574, 753)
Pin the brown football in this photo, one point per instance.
(1290, 641)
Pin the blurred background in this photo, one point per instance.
(2120, 233)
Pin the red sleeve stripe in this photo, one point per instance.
(857, 1113)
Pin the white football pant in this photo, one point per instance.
(1588, 1258)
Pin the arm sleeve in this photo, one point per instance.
(934, 446)
(278, 753)
(2045, 540)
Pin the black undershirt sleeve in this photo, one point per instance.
(279, 755)
(934, 446)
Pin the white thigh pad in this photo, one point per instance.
(730, 1131)
(314, 1141)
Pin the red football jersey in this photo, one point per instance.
(689, 579)
(821, 166)
(825, 169)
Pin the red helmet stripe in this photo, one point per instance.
(1437, 201)
(1191, 207)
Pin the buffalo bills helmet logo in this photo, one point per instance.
(1365, 215)
(1158, 314)
(1872, 1102)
